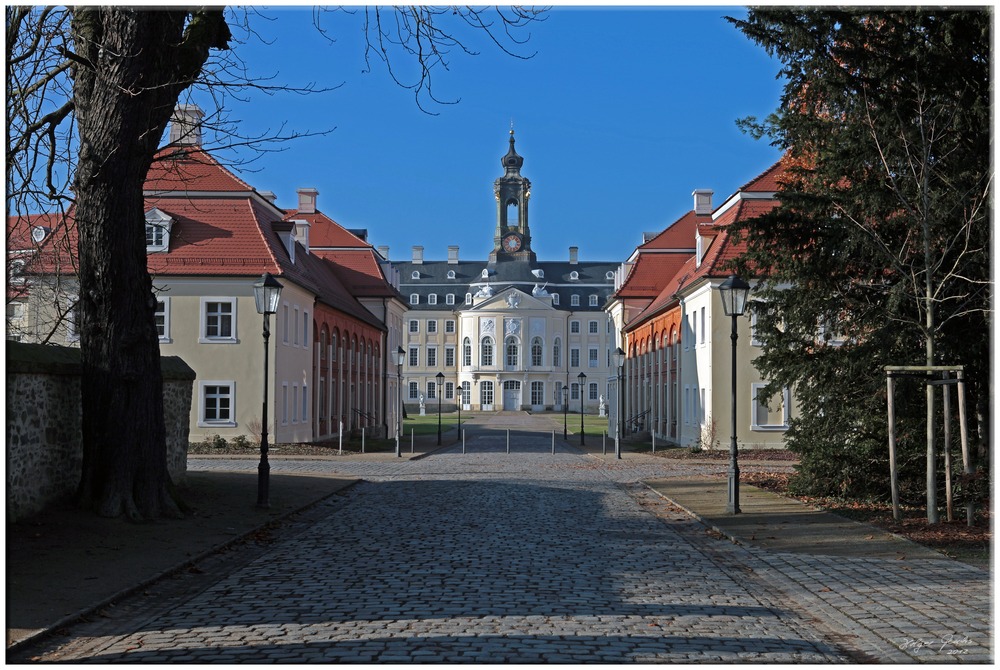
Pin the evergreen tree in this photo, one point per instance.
(879, 251)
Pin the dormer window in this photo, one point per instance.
(574, 275)
(486, 273)
(451, 274)
(158, 226)
(609, 275)
(415, 275)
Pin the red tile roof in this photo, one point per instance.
(360, 272)
(679, 234)
(218, 236)
(190, 170)
(650, 273)
(325, 232)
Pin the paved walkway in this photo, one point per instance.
(531, 557)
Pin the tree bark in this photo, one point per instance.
(129, 70)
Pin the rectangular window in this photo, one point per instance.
(432, 326)
(431, 390)
(769, 413)
(449, 326)
(305, 403)
(295, 403)
(284, 404)
(592, 327)
(703, 324)
(574, 357)
(555, 298)
(218, 320)
(284, 322)
(592, 358)
(449, 357)
(574, 391)
(414, 326)
(432, 299)
(414, 299)
(414, 357)
(537, 393)
(217, 403)
(449, 299)
(162, 317)
(432, 357)
(574, 300)
(594, 395)
(414, 390)
(574, 326)
(295, 326)
(305, 329)
(449, 390)
(593, 301)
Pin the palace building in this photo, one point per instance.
(508, 332)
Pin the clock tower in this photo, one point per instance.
(512, 238)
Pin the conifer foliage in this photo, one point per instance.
(879, 251)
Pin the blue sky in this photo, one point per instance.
(619, 116)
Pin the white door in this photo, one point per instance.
(511, 395)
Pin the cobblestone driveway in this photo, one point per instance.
(531, 557)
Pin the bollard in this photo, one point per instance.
(654, 441)
(508, 440)
(463, 441)
(411, 440)
(604, 444)
(398, 454)
(362, 439)
(553, 442)
(340, 438)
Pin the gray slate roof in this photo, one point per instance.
(433, 278)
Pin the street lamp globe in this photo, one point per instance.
(734, 292)
(267, 294)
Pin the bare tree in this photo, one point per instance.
(90, 91)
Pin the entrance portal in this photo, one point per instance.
(511, 395)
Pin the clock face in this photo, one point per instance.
(511, 243)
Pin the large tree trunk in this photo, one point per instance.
(130, 68)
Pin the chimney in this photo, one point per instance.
(301, 233)
(702, 201)
(185, 126)
(269, 196)
(572, 255)
(418, 255)
(285, 229)
(452, 255)
(307, 200)
(383, 251)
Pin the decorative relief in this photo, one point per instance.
(512, 327)
(487, 326)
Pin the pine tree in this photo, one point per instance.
(883, 233)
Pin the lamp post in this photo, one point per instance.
(461, 397)
(565, 399)
(266, 293)
(583, 378)
(400, 359)
(440, 377)
(620, 364)
(734, 292)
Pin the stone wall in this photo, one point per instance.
(44, 447)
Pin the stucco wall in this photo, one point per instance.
(44, 450)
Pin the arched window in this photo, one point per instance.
(486, 351)
(536, 352)
(467, 352)
(574, 300)
(451, 274)
(512, 351)
(556, 353)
